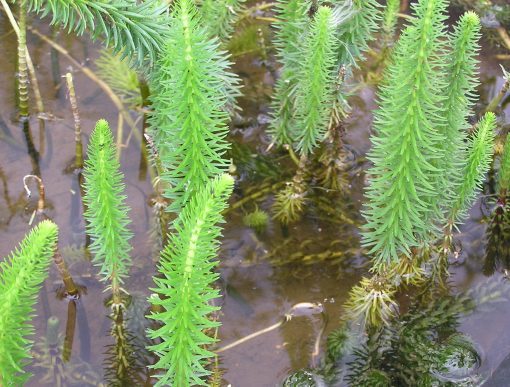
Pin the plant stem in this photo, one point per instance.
(31, 70)
(40, 186)
(71, 288)
(144, 93)
(493, 104)
(503, 34)
(22, 62)
(78, 163)
(70, 328)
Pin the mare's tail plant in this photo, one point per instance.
(390, 19)
(504, 171)
(315, 91)
(107, 214)
(406, 140)
(190, 93)
(308, 110)
(309, 102)
(426, 171)
(21, 276)
(219, 16)
(137, 30)
(358, 30)
(107, 217)
(497, 255)
(123, 80)
(461, 72)
(184, 288)
(290, 27)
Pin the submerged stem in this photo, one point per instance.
(22, 61)
(78, 163)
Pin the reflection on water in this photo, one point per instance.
(457, 337)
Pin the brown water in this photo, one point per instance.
(257, 293)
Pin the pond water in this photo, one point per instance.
(263, 274)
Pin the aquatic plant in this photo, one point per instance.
(358, 30)
(504, 170)
(372, 300)
(289, 203)
(257, 219)
(292, 23)
(390, 17)
(107, 213)
(462, 81)
(184, 289)
(418, 349)
(219, 16)
(422, 169)
(310, 101)
(189, 97)
(479, 156)
(497, 254)
(120, 77)
(135, 30)
(401, 194)
(21, 277)
(315, 91)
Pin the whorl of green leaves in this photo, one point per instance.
(123, 80)
(315, 92)
(403, 184)
(135, 29)
(479, 156)
(190, 89)
(21, 276)
(390, 17)
(219, 16)
(107, 213)
(291, 26)
(356, 32)
(504, 169)
(184, 288)
(462, 81)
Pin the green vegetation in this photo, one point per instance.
(189, 129)
(421, 166)
(304, 74)
(107, 215)
(136, 30)
(21, 277)
(185, 288)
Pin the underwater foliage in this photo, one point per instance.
(184, 290)
(107, 213)
(421, 348)
(257, 219)
(292, 23)
(21, 276)
(135, 29)
(315, 91)
(372, 301)
(189, 97)
(219, 16)
(402, 193)
(504, 169)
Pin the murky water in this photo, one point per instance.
(257, 291)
